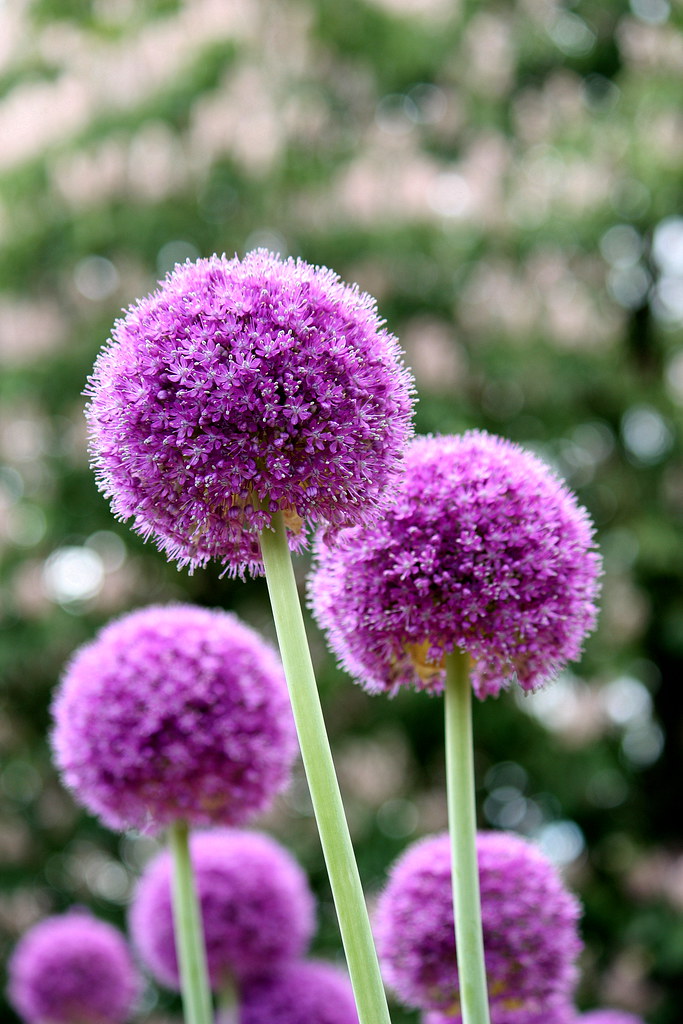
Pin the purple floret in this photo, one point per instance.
(484, 550)
(73, 969)
(608, 1017)
(257, 908)
(309, 992)
(174, 712)
(529, 923)
(240, 388)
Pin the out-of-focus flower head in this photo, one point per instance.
(608, 1017)
(73, 968)
(557, 1013)
(529, 923)
(308, 992)
(243, 387)
(257, 908)
(174, 712)
(484, 550)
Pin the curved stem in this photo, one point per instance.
(322, 780)
(463, 831)
(189, 935)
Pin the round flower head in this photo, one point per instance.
(309, 992)
(243, 387)
(73, 969)
(257, 907)
(484, 550)
(529, 923)
(174, 712)
(608, 1017)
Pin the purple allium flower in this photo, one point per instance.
(257, 908)
(529, 923)
(239, 388)
(556, 1013)
(608, 1017)
(308, 992)
(73, 969)
(174, 712)
(484, 550)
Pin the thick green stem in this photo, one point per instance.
(322, 781)
(189, 935)
(463, 830)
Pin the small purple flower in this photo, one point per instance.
(529, 923)
(174, 712)
(484, 550)
(608, 1017)
(240, 388)
(73, 969)
(256, 904)
(309, 992)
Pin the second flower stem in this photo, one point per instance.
(228, 1003)
(342, 870)
(462, 823)
(189, 934)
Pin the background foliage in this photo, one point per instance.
(506, 179)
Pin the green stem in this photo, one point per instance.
(463, 830)
(189, 935)
(342, 869)
(228, 1003)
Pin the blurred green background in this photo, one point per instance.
(506, 179)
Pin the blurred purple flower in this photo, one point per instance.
(529, 923)
(557, 1013)
(309, 992)
(239, 388)
(257, 908)
(608, 1017)
(174, 712)
(73, 968)
(484, 550)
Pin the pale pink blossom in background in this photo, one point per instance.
(218, 125)
(438, 360)
(663, 133)
(99, 75)
(389, 179)
(429, 10)
(29, 329)
(650, 47)
(36, 115)
(626, 982)
(12, 27)
(659, 874)
(490, 53)
(625, 609)
(91, 176)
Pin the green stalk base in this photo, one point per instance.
(463, 831)
(228, 1004)
(342, 869)
(189, 935)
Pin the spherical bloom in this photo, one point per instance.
(174, 712)
(73, 968)
(529, 923)
(309, 992)
(484, 550)
(608, 1017)
(257, 907)
(240, 388)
